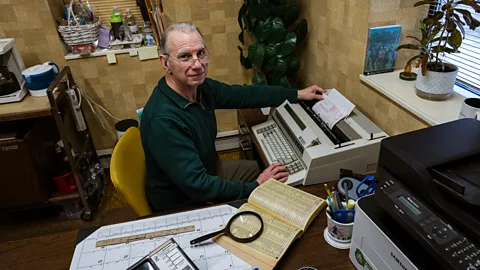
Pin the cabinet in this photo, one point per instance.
(25, 162)
(53, 117)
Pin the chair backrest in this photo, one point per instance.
(128, 172)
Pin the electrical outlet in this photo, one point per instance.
(77, 111)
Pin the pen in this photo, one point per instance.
(331, 203)
(337, 199)
(345, 187)
(334, 200)
(329, 211)
(328, 190)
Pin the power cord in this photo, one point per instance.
(90, 101)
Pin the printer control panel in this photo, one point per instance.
(440, 238)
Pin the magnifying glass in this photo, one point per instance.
(243, 227)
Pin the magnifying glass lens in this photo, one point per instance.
(245, 226)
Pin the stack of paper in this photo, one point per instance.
(333, 108)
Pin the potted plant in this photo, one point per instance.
(272, 28)
(442, 32)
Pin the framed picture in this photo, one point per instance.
(381, 49)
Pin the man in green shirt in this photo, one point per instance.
(179, 128)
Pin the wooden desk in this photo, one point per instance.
(312, 249)
(55, 251)
(29, 107)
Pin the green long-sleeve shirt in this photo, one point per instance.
(178, 139)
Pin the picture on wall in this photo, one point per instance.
(381, 49)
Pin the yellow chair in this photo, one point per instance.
(128, 172)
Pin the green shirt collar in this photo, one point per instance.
(178, 99)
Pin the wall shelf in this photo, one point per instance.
(403, 93)
(98, 53)
(103, 52)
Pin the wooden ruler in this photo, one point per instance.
(143, 236)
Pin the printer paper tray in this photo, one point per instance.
(461, 179)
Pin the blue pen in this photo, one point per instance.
(331, 203)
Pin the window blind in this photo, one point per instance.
(103, 9)
(432, 9)
(468, 59)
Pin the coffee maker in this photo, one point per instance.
(12, 85)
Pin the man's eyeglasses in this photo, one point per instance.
(187, 58)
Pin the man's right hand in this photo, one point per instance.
(276, 171)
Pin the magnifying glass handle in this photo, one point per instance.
(205, 237)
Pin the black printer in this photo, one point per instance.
(429, 182)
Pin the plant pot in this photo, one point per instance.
(436, 85)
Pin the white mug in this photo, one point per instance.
(470, 108)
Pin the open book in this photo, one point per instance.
(333, 108)
(286, 212)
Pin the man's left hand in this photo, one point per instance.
(310, 93)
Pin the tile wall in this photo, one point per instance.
(124, 87)
(334, 52)
(332, 55)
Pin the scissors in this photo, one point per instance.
(370, 186)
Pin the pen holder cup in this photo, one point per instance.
(340, 232)
(344, 216)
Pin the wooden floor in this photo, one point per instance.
(38, 222)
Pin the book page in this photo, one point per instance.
(291, 204)
(333, 108)
(277, 236)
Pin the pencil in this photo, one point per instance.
(328, 190)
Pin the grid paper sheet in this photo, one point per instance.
(207, 256)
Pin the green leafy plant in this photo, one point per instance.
(442, 32)
(271, 25)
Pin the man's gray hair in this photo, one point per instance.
(185, 27)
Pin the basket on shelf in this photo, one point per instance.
(78, 34)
